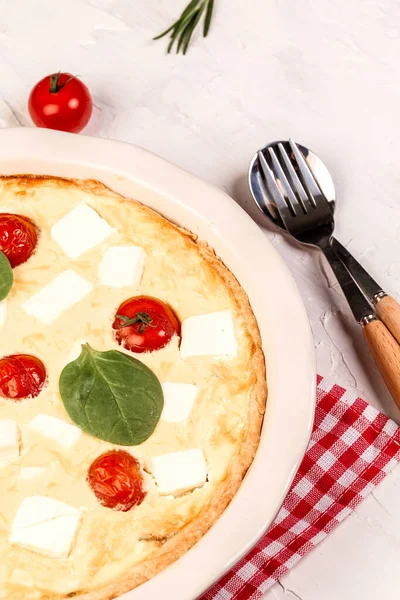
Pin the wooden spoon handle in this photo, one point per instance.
(386, 353)
(389, 311)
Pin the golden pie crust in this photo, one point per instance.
(115, 551)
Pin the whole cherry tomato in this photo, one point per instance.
(18, 237)
(21, 376)
(144, 324)
(60, 101)
(116, 480)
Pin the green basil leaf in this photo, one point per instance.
(112, 396)
(6, 276)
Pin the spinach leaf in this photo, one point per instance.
(112, 396)
(6, 276)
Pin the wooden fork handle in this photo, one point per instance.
(389, 312)
(386, 352)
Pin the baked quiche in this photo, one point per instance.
(132, 390)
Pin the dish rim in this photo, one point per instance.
(284, 325)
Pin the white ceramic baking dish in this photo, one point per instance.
(276, 302)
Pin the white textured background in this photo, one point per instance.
(326, 72)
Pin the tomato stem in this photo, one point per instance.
(141, 317)
(55, 86)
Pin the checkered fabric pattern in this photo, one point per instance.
(352, 448)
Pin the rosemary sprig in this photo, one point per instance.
(182, 30)
(141, 317)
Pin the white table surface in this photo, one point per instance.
(326, 72)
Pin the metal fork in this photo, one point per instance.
(308, 216)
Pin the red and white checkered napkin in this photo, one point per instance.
(352, 448)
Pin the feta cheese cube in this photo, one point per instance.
(9, 441)
(46, 526)
(179, 472)
(211, 334)
(29, 473)
(122, 266)
(54, 429)
(3, 312)
(178, 401)
(53, 299)
(80, 230)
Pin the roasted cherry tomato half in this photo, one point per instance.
(60, 101)
(116, 480)
(21, 376)
(144, 324)
(18, 237)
